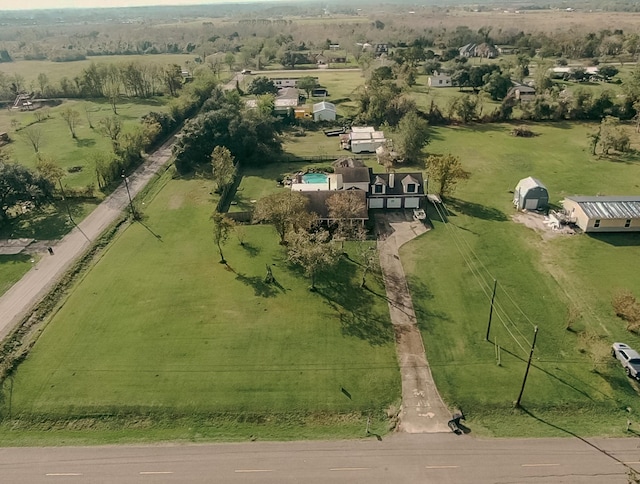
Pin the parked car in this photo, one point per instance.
(245, 71)
(629, 358)
(419, 214)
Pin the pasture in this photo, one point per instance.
(160, 333)
(562, 284)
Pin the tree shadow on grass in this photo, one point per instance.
(260, 287)
(476, 210)
(85, 142)
(354, 304)
(44, 223)
(618, 239)
(250, 249)
(421, 296)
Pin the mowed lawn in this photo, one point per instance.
(57, 143)
(451, 271)
(160, 327)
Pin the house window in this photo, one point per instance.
(377, 188)
(596, 224)
(439, 81)
(627, 224)
(411, 187)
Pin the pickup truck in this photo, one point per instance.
(628, 357)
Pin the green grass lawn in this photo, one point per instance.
(57, 142)
(30, 69)
(159, 330)
(543, 277)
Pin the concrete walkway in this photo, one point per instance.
(35, 284)
(423, 411)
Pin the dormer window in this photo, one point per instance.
(378, 188)
(411, 188)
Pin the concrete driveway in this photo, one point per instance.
(423, 411)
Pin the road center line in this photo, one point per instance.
(253, 470)
(441, 467)
(151, 473)
(63, 474)
(540, 465)
(349, 469)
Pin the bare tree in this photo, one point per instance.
(221, 228)
(111, 127)
(71, 117)
(33, 135)
(312, 251)
(285, 210)
(346, 208)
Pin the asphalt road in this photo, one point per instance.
(400, 458)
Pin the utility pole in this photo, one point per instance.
(526, 373)
(126, 184)
(493, 298)
(66, 203)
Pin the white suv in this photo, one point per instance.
(629, 358)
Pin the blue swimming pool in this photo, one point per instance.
(314, 178)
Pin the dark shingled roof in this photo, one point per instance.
(318, 202)
(355, 174)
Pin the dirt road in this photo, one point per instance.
(34, 285)
(423, 411)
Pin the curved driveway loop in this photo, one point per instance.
(423, 411)
(34, 285)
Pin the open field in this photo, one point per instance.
(57, 143)
(574, 384)
(159, 330)
(29, 69)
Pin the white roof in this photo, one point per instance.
(362, 129)
(360, 136)
(377, 135)
(367, 141)
(285, 103)
(324, 105)
(528, 183)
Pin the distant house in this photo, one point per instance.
(319, 92)
(324, 111)
(522, 93)
(334, 46)
(286, 100)
(380, 49)
(530, 194)
(488, 51)
(362, 139)
(439, 80)
(396, 190)
(282, 82)
(604, 213)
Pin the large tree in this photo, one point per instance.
(285, 210)
(447, 171)
(307, 84)
(313, 251)
(262, 85)
(222, 167)
(412, 136)
(344, 207)
(19, 185)
(33, 135)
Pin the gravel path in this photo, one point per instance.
(423, 411)
(35, 284)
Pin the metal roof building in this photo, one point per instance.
(604, 213)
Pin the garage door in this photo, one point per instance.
(394, 203)
(376, 202)
(411, 202)
(531, 204)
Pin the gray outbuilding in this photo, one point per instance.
(530, 194)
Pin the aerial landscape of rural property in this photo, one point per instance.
(321, 235)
